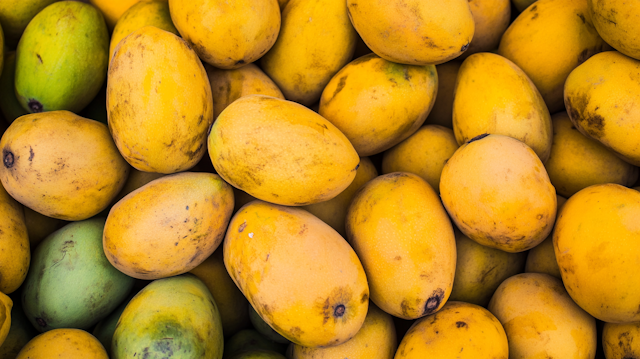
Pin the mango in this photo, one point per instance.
(541, 320)
(113, 9)
(61, 165)
(377, 103)
(15, 254)
(15, 16)
(615, 20)
(596, 241)
(263, 328)
(158, 102)
(9, 105)
(414, 32)
(63, 343)
(168, 226)
(62, 58)
(621, 341)
(249, 340)
(404, 238)
(316, 40)
(298, 273)
(20, 332)
(542, 258)
(491, 19)
(442, 112)
(497, 192)
(5, 316)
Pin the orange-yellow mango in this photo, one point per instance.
(15, 254)
(63, 343)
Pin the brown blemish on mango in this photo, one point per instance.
(434, 301)
(7, 158)
(591, 123)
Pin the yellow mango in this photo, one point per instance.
(63, 343)
(15, 254)
(5, 316)
(375, 340)
(577, 161)
(617, 22)
(600, 96)
(493, 95)
(621, 341)
(168, 226)
(113, 9)
(424, 153)
(316, 40)
(377, 103)
(597, 245)
(458, 330)
(281, 152)
(298, 273)
(229, 85)
(533, 44)
(227, 34)
(491, 19)
(414, 32)
(401, 233)
(542, 258)
(334, 211)
(541, 320)
(442, 111)
(61, 165)
(498, 193)
(159, 102)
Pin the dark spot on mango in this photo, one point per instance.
(364, 297)
(534, 8)
(339, 311)
(7, 158)
(30, 153)
(465, 47)
(584, 21)
(434, 301)
(240, 62)
(479, 137)
(242, 227)
(35, 106)
(461, 324)
(342, 82)
(39, 58)
(41, 322)
(535, 16)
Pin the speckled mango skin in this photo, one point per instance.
(227, 34)
(159, 102)
(404, 238)
(15, 254)
(298, 273)
(61, 165)
(168, 226)
(618, 22)
(597, 245)
(281, 152)
(621, 341)
(173, 317)
(414, 32)
(497, 192)
(493, 95)
(459, 330)
(5, 316)
(541, 320)
(63, 344)
(601, 96)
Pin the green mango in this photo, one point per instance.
(20, 332)
(173, 317)
(250, 340)
(62, 58)
(70, 283)
(11, 108)
(15, 16)
(106, 327)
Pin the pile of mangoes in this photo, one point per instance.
(332, 179)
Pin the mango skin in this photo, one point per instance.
(62, 58)
(542, 258)
(15, 16)
(11, 108)
(414, 32)
(491, 19)
(263, 328)
(5, 316)
(61, 165)
(600, 95)
(63, 343)
(377, 103)
(541, 320)
(159, 102)
(442, 111)
(300, 65)
(177, 222)
(458, 330)
(20, 333)
(250, 340)
(225, 34)
(113, 9)
(409, 255)
(103, 331)
(298, 273)
(482, 189)
(15, 254)
(617, 22)
(596, 241)
(621, 341)
(281, 152)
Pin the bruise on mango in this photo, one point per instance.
(587, 122)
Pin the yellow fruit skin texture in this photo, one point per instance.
(281, 152)
(316, 40)
(229, 85)
(542, 258)
(63, 166)
(174, 315)
(5, 316)
(493, 95)
(458, 330)
(15, 254)
(299, 274)
(144, 13)
(377, 103)
(375, 340)
(232, 305)
(401, 233)
(541, 320)
(424, 153)
(618, 23)
(442, 111)
(227, 34)
(600, 96)
(112, 10)
(15, 16)
(498, 193)
(159, 102)
(621, 341)
(169, 226)
(481, 269)
(414, 32)
(63, 344)
(491, 18)
(597, 246)
(334, 211)
(532, 43)
(578, 161)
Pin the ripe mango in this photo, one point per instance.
(113, 9)
(15, 16)
(491, 19)
(542, 258)
(442, 111)
(15, 254)
(621, 341)
(20, 333)
(615, 21)
(5, 316)
(263, 328)
(65, 343)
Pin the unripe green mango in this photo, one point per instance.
(15, 16)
